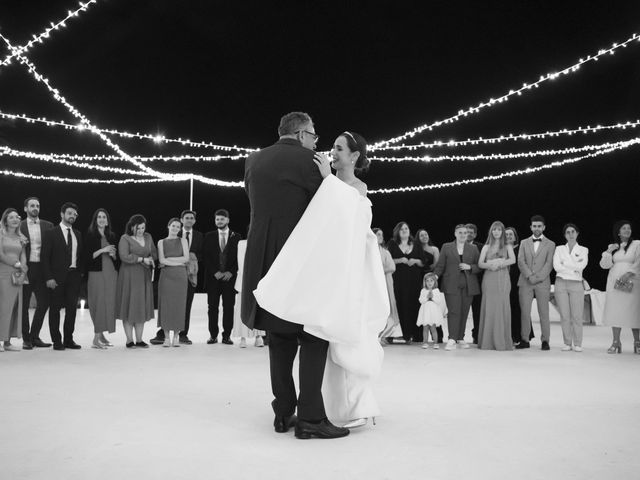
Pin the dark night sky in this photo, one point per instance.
(227, 71)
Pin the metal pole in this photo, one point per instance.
(191, 193)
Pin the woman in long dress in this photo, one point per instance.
(13, 261)
(622, 308)
(134, 290)
(495, 311)
(336, 288)
(392, 329)
(173, 257)
(101, 264)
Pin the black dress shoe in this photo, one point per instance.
(227, 341)
(26, 345)
(185, 340)
(142, 345)
(157, 340)
(72, 345)
(212, 340)
(40, 344)
(522, 345)
(323, 429)
(58, 346)
(545, 345)
(283, 424)
(131, 345)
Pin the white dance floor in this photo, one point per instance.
(202, 412)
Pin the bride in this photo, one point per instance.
(329, 278)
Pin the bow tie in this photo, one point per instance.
(537, 240)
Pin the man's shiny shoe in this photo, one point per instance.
(26, 345)
(72, 345)
(322, 429)
(212, 340)
(523, 344)
(545, 345)
(58, 346)
(157, 340)
(36, 342)
(283, 424)
(185, 340)
(227, 341)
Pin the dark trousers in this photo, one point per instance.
(65, 295)
(215, 290)
(458, 305)
(191, 290)
(283, 348)
(38, 286)
(476, 305)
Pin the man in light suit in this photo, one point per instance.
(34, 228)
(535, 260)
(280, 181)
(458, 266)
(61, 264)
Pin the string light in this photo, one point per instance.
(513, 173)
(503, 138)
(494, 101)
(165, 158)
(11, 173)
(495, 156)
(45, 34)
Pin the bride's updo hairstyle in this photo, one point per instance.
(357, 143)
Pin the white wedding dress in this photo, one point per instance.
(329, 278)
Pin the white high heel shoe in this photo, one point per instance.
(359, 422)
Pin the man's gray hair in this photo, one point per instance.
(293, 122)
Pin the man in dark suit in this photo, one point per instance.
(33, 228)
(280, 181)
(458, 266)
(195, 240)
(61, 257)
(220, 272)
(476, 303)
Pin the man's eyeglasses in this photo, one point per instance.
(315, 136)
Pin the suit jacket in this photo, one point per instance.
(55, 264)
(24, 229)
(220, 261)
(448, 268)
(196, 243)
(535, 267)
(280, 181)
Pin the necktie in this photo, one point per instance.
(188, 235)
(223, 241)
(69, 245)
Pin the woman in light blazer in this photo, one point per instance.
(569, 261)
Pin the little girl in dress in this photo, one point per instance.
(433, 309)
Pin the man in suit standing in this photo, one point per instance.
(220, 271)
(195, 239)
(280, 181)
(33, 228)
(476, 303)
(458, 266)
(535, 260)
(61, 257)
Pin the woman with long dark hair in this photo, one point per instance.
(101, 263)
(622, 302)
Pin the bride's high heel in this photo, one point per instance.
(636, 347)
(359, 422)
(616, 347)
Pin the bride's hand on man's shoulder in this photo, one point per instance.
(324, 164)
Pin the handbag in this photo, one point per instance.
(623, 286)
(18, 277)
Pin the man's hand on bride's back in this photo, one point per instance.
(323, 163)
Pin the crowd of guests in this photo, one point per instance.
(49, 261)
(428, 287)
